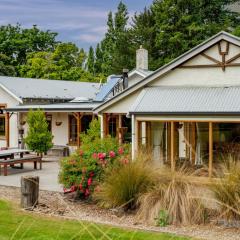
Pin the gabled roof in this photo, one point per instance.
(187, 100)
(21, 88)
(173, 64)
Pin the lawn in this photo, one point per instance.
(17, 225)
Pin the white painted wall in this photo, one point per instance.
(124, 105)
(5, 98)
(203, 76)
(60, 133)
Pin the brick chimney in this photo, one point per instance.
(142, 58)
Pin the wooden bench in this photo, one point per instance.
(12, 162)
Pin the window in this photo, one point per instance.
(2, 125)
(72, 130)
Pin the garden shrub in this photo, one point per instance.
(227, 190)
(175, 195)
(83, 170)
(124, 183)
(39, 138)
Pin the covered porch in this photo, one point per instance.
(192, 126)
(192, 143)
(65, 121)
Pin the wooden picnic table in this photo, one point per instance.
(8, 159)
(9, 153)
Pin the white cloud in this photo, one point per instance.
(88, 37)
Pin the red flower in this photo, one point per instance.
(94, 155)
(80, 186)
(89, 181)
(72, 189)
(101, 155)
(91, 174)
(112, 154)
(120, 150)
(87, 192)
(80, 152)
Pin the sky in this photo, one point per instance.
(80, 21)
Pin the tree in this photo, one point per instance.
(64, 63)
(98, 59)
(38, 139)
(91, 61)
(181, 25)
(143, 33)
(6, 69)
(115, 51)
(16, 42)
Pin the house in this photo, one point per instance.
(68, 105)
(187, 111)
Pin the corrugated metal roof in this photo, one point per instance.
(107, 88)
(177, 100)
(49, 89)
(62, 107)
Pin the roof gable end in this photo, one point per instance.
(171, 65)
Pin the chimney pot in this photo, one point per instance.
(142, 58)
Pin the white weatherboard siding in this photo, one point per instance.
(6, 98)
(208, 76)
(124, 105)
(60, 133)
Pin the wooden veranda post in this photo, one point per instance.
(105, 124)
(7, 129)
(120, 131)
(210, 169)
(193, 144)
(172, 146)
(78, 117)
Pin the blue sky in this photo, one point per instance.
(80, 21)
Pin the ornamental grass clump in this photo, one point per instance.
(124, 183)
(175, 196)
(227, 190)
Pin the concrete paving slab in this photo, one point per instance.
(48, 176)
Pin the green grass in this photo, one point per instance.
(16, 225)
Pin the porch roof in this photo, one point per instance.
(63, 107)
(188, 101)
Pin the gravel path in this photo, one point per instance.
(56, 204)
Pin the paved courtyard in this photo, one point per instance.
(48, 175)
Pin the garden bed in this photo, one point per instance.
(56, 204)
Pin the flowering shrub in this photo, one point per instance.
(83, 170)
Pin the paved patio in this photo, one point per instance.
(48, 175)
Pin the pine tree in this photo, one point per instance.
(143, 33)
(38, 139)
(181, 25)
(91, 61)
(99, 59)
(107, 47)
(116, 46)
